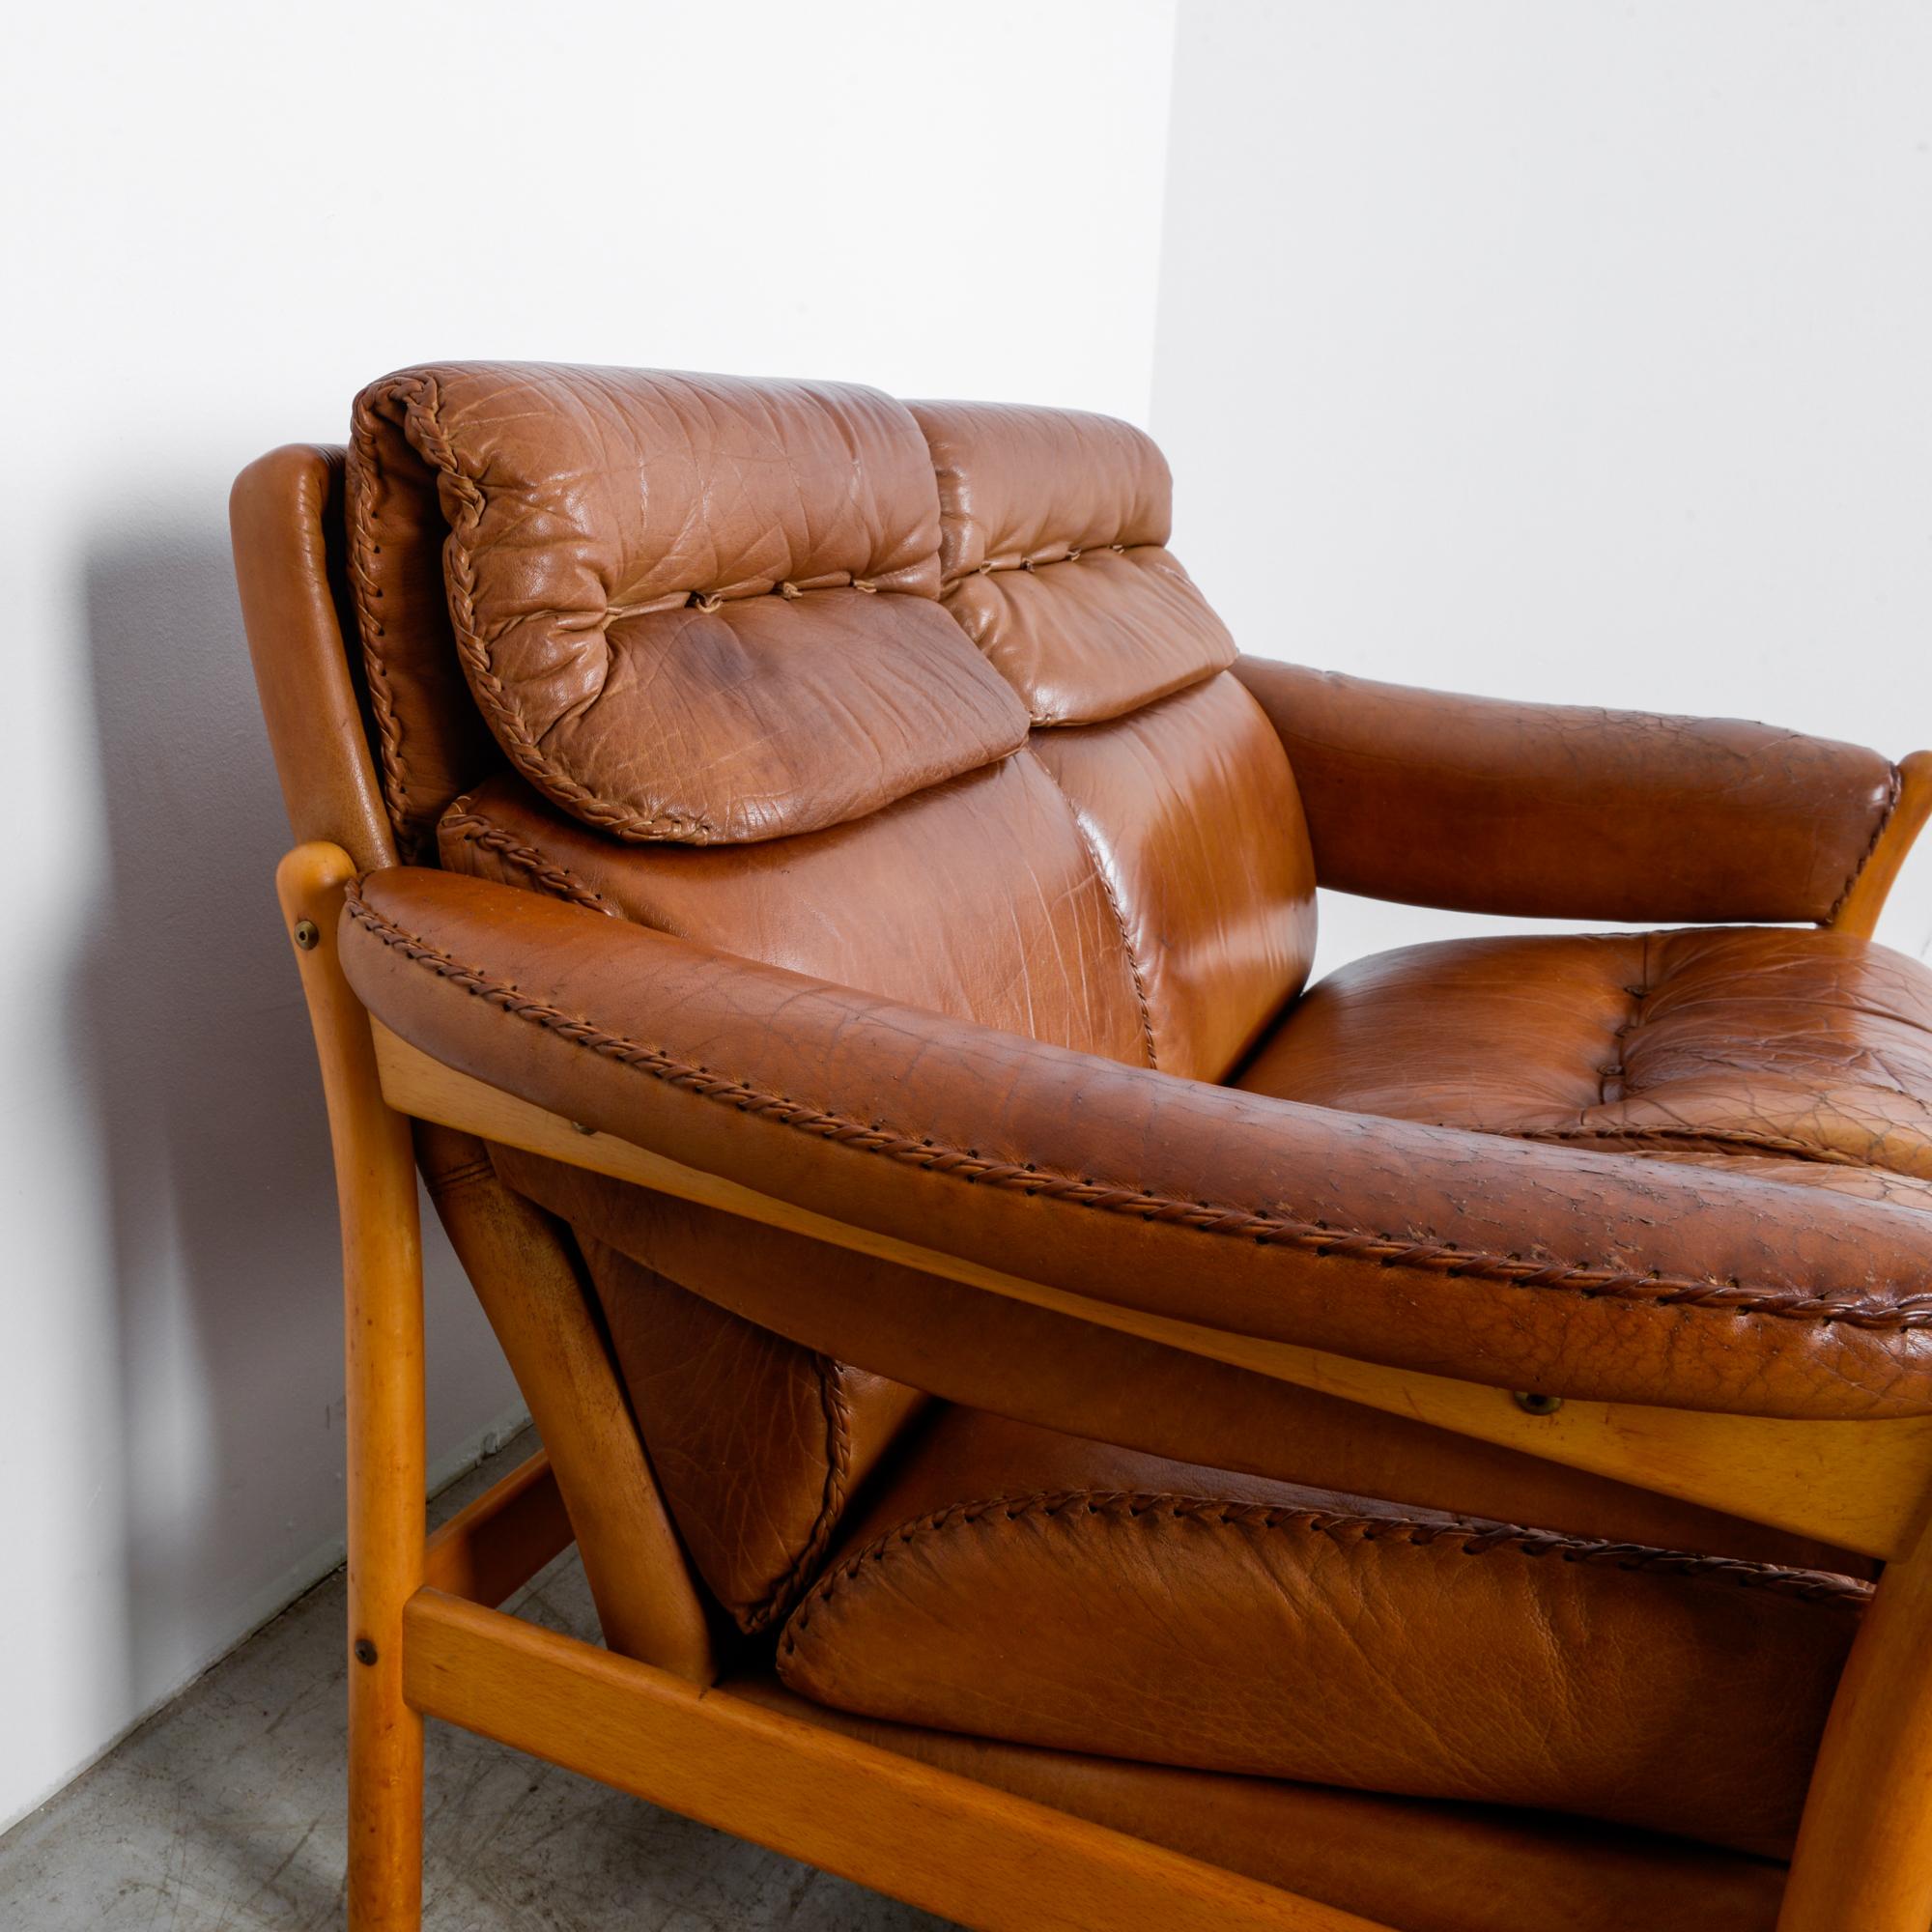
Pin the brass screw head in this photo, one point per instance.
(308, 935)
(1536, 1405)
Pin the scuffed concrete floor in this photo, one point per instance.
(224, 1813)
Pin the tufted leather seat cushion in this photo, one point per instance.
(1017, 1584)
(1798, 1056)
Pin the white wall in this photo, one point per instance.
(1576, 353)
(220, 221)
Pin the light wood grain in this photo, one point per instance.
(1864, 1861)
(1858, 912)
(945, 1843)
(543, 1312)
(383, 1316)
(1859, 1484)
(497, 1544)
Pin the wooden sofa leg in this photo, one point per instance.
(381, 1271)
(1864, 1861)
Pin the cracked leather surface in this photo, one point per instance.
(1190, 810)
(1809, 1050)
(977, 898)
(1053, 549)
(687, 608)
(1291, 1632)
(1548, 811)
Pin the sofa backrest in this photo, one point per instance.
(1053, 560)
(912, 698)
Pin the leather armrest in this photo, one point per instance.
(1547, 811)
(1495, 1260)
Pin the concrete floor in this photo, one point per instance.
(224, 1813)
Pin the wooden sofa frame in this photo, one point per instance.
(426, 1638)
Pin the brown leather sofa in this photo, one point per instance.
(1116, 1439)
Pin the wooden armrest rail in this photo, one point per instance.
(1862, 1485)
(1858, 912)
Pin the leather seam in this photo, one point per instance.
(786, 1588)
(1434, 1258)
(1620, 1039)
(361, 571)
(555, 881)
(1118, 1507)
(1895, 792)
(463, 1175)
(1717, 1139)
(1120, 912)
(1031, 561)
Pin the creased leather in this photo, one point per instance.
(1425, 1867)
(776, 543)
(1190, 810)
(1809, 1048)
(1497, 1261)
(757, 1444)
(700, 610)
(1017, 482)
(1013, 1585)
(977, 898)
(429, 736)
(1561, 812)
(1053, 530)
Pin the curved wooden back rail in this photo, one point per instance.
(1858, 912)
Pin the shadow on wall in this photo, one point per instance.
(191, 1050)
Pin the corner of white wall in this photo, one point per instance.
(1562, 352)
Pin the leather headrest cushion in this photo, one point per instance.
(689, 607)
(1052, 532)
(1028, 485)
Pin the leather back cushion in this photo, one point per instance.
(977, 898)
(686, 607)
(1052, 532)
